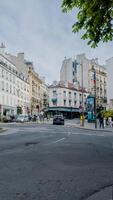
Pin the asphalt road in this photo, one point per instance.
(46, 162)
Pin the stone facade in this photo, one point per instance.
(14, 88)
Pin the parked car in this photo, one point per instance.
(22, 118)
(58, 119)
(6, 119)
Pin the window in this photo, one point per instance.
(13, 79)
(11, 101)
(21, 86)
(69, 102)
(10, 88)
(69, 94)
(75, 94)
(64, 94)
(2, 85)
(74, 66)
(3, 99)
(7, 100)
(73, 73)
(54, 93)
(54, 103)
(14, 90)
(10, 77)
(80, 97)
(2, 73)
(6, 87)
(18, 84)
(75, 102)
(7, 75)
(64, 102)
(25, 87)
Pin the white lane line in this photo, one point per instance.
(56, 141)
(59, 140)
(89, 134)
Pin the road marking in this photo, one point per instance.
(89, 134)
(69, 133)
(56, 141)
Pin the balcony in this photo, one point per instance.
(54, 99)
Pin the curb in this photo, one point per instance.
(89, 128)
(2, 130)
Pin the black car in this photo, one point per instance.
(58, 119)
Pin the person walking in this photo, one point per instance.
(104, 122)
(101, 121)
(110, 122)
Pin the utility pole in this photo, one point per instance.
(82, 94)
(95, 96)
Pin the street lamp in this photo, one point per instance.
(82, 109)
(82, 94)
(95, 95)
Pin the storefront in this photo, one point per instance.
(8, 110)
(68, 112)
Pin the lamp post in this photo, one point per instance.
(95, 95)
(82, 94)
(81, 65)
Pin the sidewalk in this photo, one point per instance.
(29, 122)
(88, 126)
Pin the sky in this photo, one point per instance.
(40, 30)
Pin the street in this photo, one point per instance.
(46, 162)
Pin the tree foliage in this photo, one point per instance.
(107, 113)
(95, 17)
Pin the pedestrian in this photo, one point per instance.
(101, 121)
(104, 122)
(110, 122)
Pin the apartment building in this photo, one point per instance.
(66, 98)
(14, 87)
(68, 71)
(38, 92)
(109, 67)
(80, 71)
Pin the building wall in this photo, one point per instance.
(109, 67)
(19, 62)
(62, 96)
(36, 83)
(82, 67)
(11, 95)
(85, 75)
(68, 71)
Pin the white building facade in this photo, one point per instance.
(14, 88)
(65, 96)
(68, 72)
(80, 71)
(109, 67)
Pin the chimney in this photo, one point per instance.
(2, 48)
(20, 57)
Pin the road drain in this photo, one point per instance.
(31, 143)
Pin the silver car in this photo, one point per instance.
(22, 118)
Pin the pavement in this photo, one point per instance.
(88, 126)
(69, 123)
(46, 162)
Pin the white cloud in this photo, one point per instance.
(43, 32)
